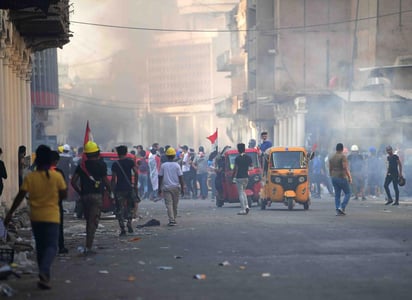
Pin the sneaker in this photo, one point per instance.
(340, 212)
(172, 223)
(388, 202)
(43, 282)
(247, 210)
(242, 213)
(122, 233)
(395, 203)
(88, 252)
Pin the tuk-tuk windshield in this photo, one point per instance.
(288, 160)
(253, 156)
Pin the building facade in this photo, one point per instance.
(319, 72)
(24, 30)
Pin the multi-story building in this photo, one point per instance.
(307, 76)
(182, 83)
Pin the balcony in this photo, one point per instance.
(226, 61)
(42, 28)
(224, 108)
(223, 62)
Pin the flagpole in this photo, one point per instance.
(217, 143)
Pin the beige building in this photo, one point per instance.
(23, 31)
(307, 75)
(183, 85)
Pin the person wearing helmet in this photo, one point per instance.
(358, 171)
(65, 163)
(171, 184)
(92, 176)
(393, 173)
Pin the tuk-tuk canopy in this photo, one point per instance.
(288, 158)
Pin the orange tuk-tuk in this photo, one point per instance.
(285, 177)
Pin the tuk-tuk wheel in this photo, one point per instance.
(290, 203)
(219, 203)
(263, 204)
(305, 206)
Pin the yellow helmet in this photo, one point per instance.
(60, 149)
(90, 147)
(170, 151)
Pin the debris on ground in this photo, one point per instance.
(152, 222)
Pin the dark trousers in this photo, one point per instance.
(187, 178)
(394, 180)
(46, 235)
(61, 233)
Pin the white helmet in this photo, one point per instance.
(66, 147)
(354, 148)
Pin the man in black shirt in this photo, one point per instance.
(240, 177)
(122, 186)
(392, 175)
(92, 174)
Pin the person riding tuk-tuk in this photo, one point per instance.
(226, 190)
(285, 177)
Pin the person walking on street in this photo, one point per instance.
(240, 176)
(143, 167)
(201, 167)
(186, 164)
(341, 178)
(154, 165)
(22, 163)
(393, 173)
(46, 188)
(66, 163)
(3, 173)
(122, 187)
(357, 169)
(92, 175)
(54, 162)
(170, 178)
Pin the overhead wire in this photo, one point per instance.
(128, 104)
(286, 28)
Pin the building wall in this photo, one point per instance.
(15, 104)
(313, 39)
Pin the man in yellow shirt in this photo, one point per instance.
(45, 187)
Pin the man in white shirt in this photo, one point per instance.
(186, 162)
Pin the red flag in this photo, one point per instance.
(213, 137)
(88, 134)
(87, 137)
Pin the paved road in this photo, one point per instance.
(272, 254)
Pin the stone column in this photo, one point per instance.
(284, 132)
(300, 110)
(295, 135)
(276, 133)
(2, 97)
